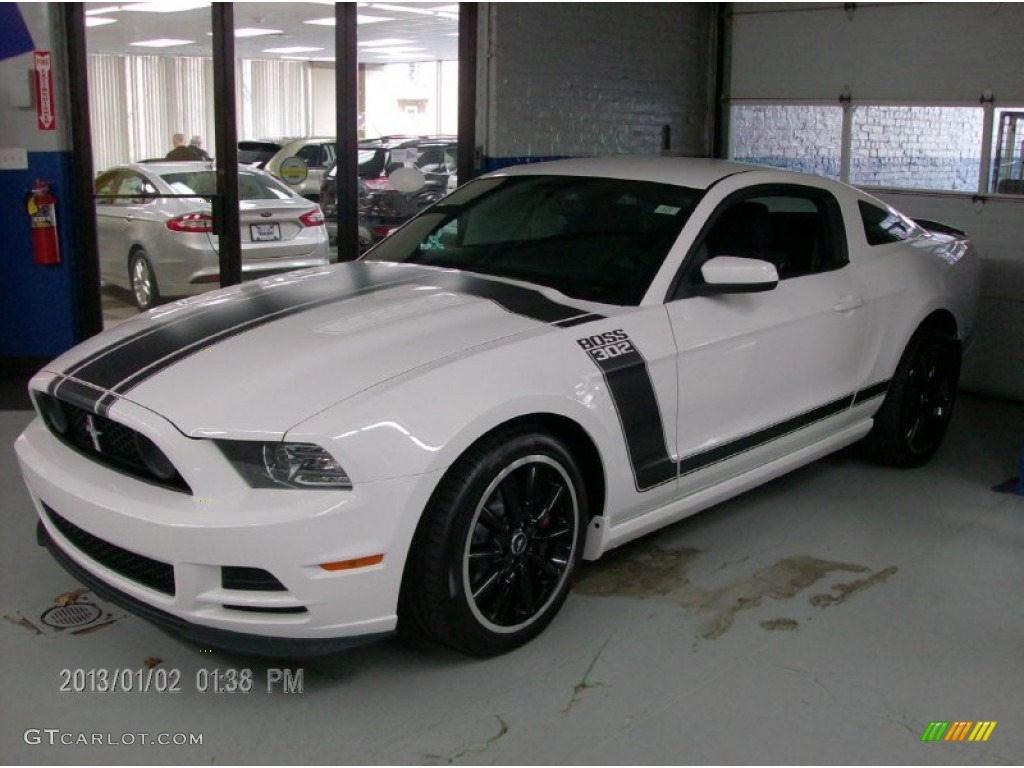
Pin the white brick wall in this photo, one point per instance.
(576, 79)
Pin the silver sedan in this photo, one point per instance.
(159, 246)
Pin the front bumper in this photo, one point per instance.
(257, 645)
(88, 511)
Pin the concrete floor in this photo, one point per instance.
(825, 618)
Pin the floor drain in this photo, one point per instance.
(74, 616)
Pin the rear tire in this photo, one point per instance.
(913, 419)
(499, 543)
(143, 281)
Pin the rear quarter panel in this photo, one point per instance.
(909, 281)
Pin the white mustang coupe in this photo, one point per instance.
(551, 361)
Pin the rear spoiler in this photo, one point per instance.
(942, 229)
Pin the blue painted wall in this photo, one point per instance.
(36, 314)
(37, 303)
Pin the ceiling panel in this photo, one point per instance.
(387, 32)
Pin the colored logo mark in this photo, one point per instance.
(958, 730)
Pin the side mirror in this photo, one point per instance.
(735, 274)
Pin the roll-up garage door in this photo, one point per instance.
(927, 52)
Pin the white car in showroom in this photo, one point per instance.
(551, 361)
(155, 228)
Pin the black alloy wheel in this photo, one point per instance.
(914, 418)
(521, 543)
(495, 553)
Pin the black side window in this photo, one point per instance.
(798, 229)
(881, 226)
(311, 155)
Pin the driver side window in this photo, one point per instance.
(797, 229)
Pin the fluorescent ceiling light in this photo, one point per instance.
(359, 18)
(396, 51)
(329, 21)
(385, 41)
(402, 9)
(307, 58)
(98, 21)
(166, 6)
(292, 49)
(256, 32)
(163, 42)
(105, 9)
(448, 9)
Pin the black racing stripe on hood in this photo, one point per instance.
(516, 299)
(134, 359)
(76, 393)
(97, 380)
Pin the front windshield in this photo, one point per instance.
(590, 238)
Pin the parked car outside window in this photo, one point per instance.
(317, 154)
(159, 246)
(381, 207)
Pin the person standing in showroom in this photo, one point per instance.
(196, 143)
(181, 151)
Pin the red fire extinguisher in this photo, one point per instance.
(42, 212)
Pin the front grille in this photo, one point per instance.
(256, 579)
(107, 442)
(139, 568)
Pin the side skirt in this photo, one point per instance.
(601, 538)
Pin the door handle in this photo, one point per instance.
(849, 303)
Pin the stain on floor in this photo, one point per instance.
(653, 573)
(843, 591)
(775, 625)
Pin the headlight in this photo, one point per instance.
(284, 465)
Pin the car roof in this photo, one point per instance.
(397, 140)
(159, 167)
(694, 172)
(309, 140)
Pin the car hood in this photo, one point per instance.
(259, 358)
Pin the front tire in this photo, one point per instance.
(496, 551)
(913, 419)
(143, 281)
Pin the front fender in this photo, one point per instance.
(424, 421)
